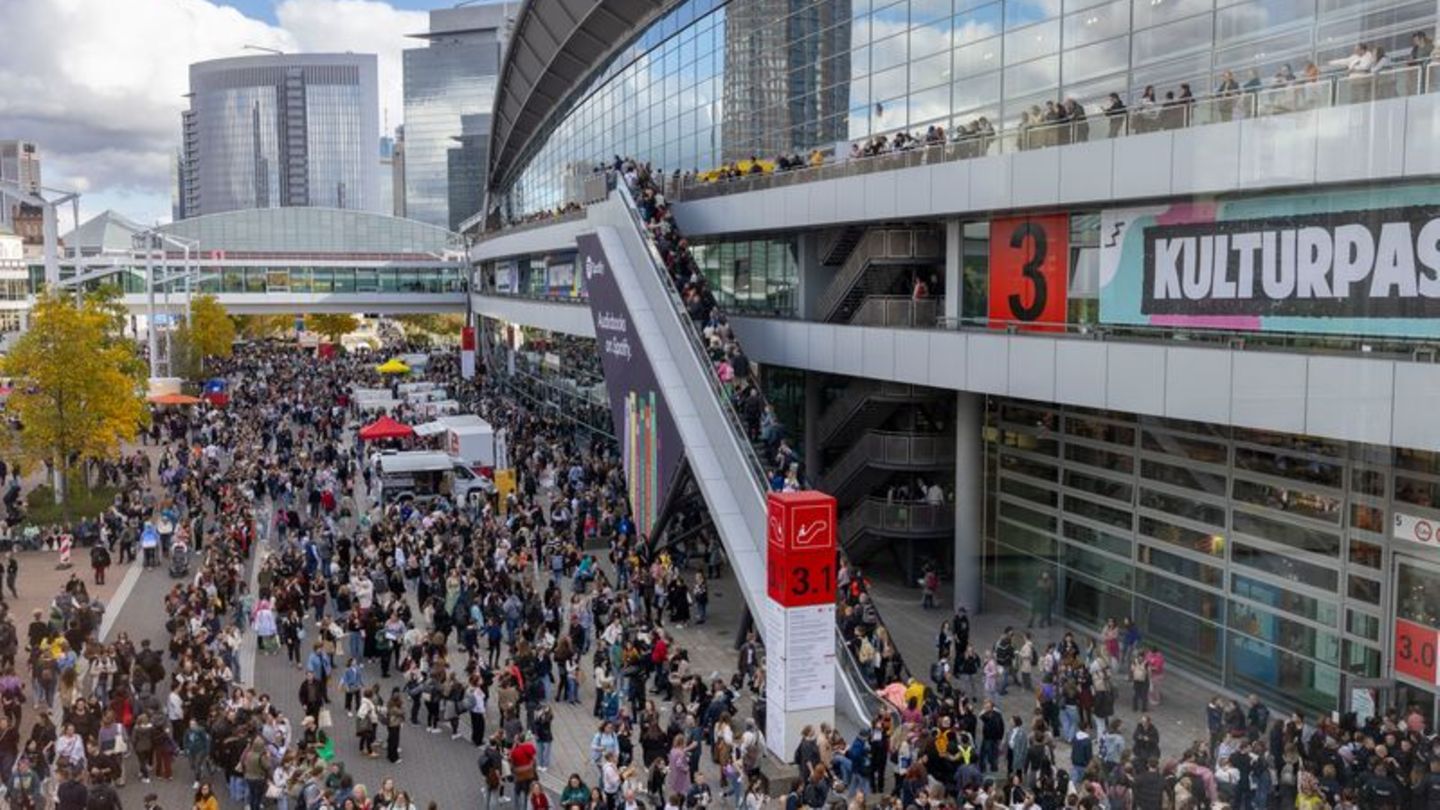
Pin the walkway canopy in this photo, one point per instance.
(385, 428)
(393, 366)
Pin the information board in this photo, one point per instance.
(1029, 270)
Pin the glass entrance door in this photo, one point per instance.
(1416, 589)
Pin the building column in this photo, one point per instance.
(969, 498)
(955, 269)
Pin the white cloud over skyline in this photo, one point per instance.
(99, 84)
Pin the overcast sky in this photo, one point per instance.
(98, 84)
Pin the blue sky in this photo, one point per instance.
(265, 9)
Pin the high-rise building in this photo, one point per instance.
(453, 76)
(397, 174)
(278, 131)
(384, 201)
(19, 163)
(466, 162)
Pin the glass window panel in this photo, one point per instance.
(1097, 23)
(1027, 540)
(1417, 491)
(1292, 635)
(977, 24)
(1150, 13)
(930, 106)
(1081, 559)
(1103, 459)
(1367, 518)
(1163, 42)
(1179, 595)
(1284, 465)
(1119, 518)
(1094, 601)
(1024, 44)
(980, 57)
(1366, 590)
(1259, 17)
(1362, 660)
(1186, 639)
(924, 12)
(1182, 567)
(1369, 555)
(1289, 500)
(1265, 55)
(1107, 541)
(929, 72)
(1278, 598)
(1100, 431)
(976, 91)
(1417, 596)
(885, 86)
(1209, 543)
(1312, 540)
(1277, 675)
(1186, 477)
(1083, 64)
(1285, 566)
(1096, 485)
(933, 38)
(888, 53)
(1021, 489)
(1181, 506)
(1367, 482)
(1030, 467)
(1362, 624)
(1029, 517)
(1024, 12)
(1185, 447)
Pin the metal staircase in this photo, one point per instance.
(875, 523)
(876, 263)
(878, 454)
(841, 242)
(865, 404)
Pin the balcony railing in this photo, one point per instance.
(900, 518)
(898, 310)
(1098, 124)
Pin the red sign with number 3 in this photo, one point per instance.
(1415, 650)
(1029, 270)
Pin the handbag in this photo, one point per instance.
(325, 720)
(272, 791)
(525, 773)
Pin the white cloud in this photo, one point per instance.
(99, 84)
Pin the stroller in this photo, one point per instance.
(179, 560)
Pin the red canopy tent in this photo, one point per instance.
(385, 428)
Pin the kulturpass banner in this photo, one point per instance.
(649, 442)
(1355, 262)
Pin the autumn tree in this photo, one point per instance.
(259, 327)
(331, 326)
(446, 325)
(78, 390)
(211, 331)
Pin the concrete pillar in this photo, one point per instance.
(954, 269)
(969, 498)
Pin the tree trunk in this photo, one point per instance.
(59, 467)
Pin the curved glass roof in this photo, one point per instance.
(311, 230)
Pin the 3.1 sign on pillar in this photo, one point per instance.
(800, 616)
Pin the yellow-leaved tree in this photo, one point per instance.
(258, 327)
(78, 384)
(331, 326)
(211, 330)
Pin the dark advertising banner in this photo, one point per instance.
(649, 442)
(1338, 262)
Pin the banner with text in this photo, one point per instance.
(1351, 262)
(649, 443)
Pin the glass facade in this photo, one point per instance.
(454, 76)
(1261, 560)
(754, 275)
(711, 81)
(280, 131)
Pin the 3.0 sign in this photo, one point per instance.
(1415, 650)
(1029, 270)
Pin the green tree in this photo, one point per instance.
(444, 325)
(210, 329)
(331, 327)
(78, 385)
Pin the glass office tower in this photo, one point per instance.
(453, 76)
(280, 131)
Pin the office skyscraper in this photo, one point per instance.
(20, 164)
(453, 76)
(278, 131)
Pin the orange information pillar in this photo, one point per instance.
(800, 616)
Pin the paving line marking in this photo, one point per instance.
(122, 595)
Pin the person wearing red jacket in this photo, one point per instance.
(522, 764)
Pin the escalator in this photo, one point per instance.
(722, 463)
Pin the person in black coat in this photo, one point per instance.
(1149, 789)
(71, 795)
